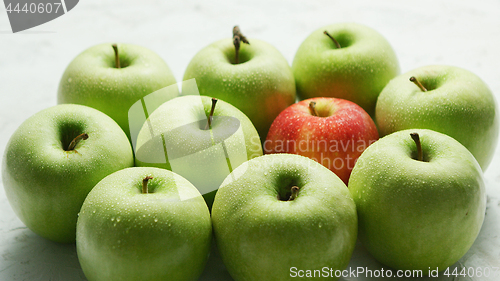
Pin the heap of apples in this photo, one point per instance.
(416, 197)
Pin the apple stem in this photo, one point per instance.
(117, 57)
(237, 38)
(414, 80)
(210, 117)
(76, 140)
(295, 192)
(145, 184)
(312, 108)
(333, 39)
(416, 139)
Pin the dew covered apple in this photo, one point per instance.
(54, 159)
(345, 60)
(420, 198)
(112, 77)
(143, 224)
(446, 99)
(333, 132)
(178, 137)
(280, 211)
(253, 77)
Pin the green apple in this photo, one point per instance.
(143, 224)
(261, 84)
(420, 202)
(112, 81)
(452, 101)
(176, 137)
(356, 69)
(54, 159)
(283, 211)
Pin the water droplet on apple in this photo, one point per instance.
(113, 219)
(118, 219)
(156, 220)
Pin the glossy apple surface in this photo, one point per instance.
(262, 231)
(357, 71)
(176, 137)
(261, 85)
(457, 103)
(336, 137)
(45, 182)
(92, 79)
(416, 215)
(125, 234)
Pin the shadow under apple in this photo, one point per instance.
(27, 256)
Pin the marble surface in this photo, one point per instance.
(461, 33)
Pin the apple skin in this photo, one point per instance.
(92, 79)
(45, 184)
(358, 71)
(190, 149)
(123, 234)
(261, 85)
(458, 104)
(341, 132)
(260, 237)
(418, 214)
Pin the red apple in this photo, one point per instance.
(333, 132)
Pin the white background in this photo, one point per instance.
(460, 33)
